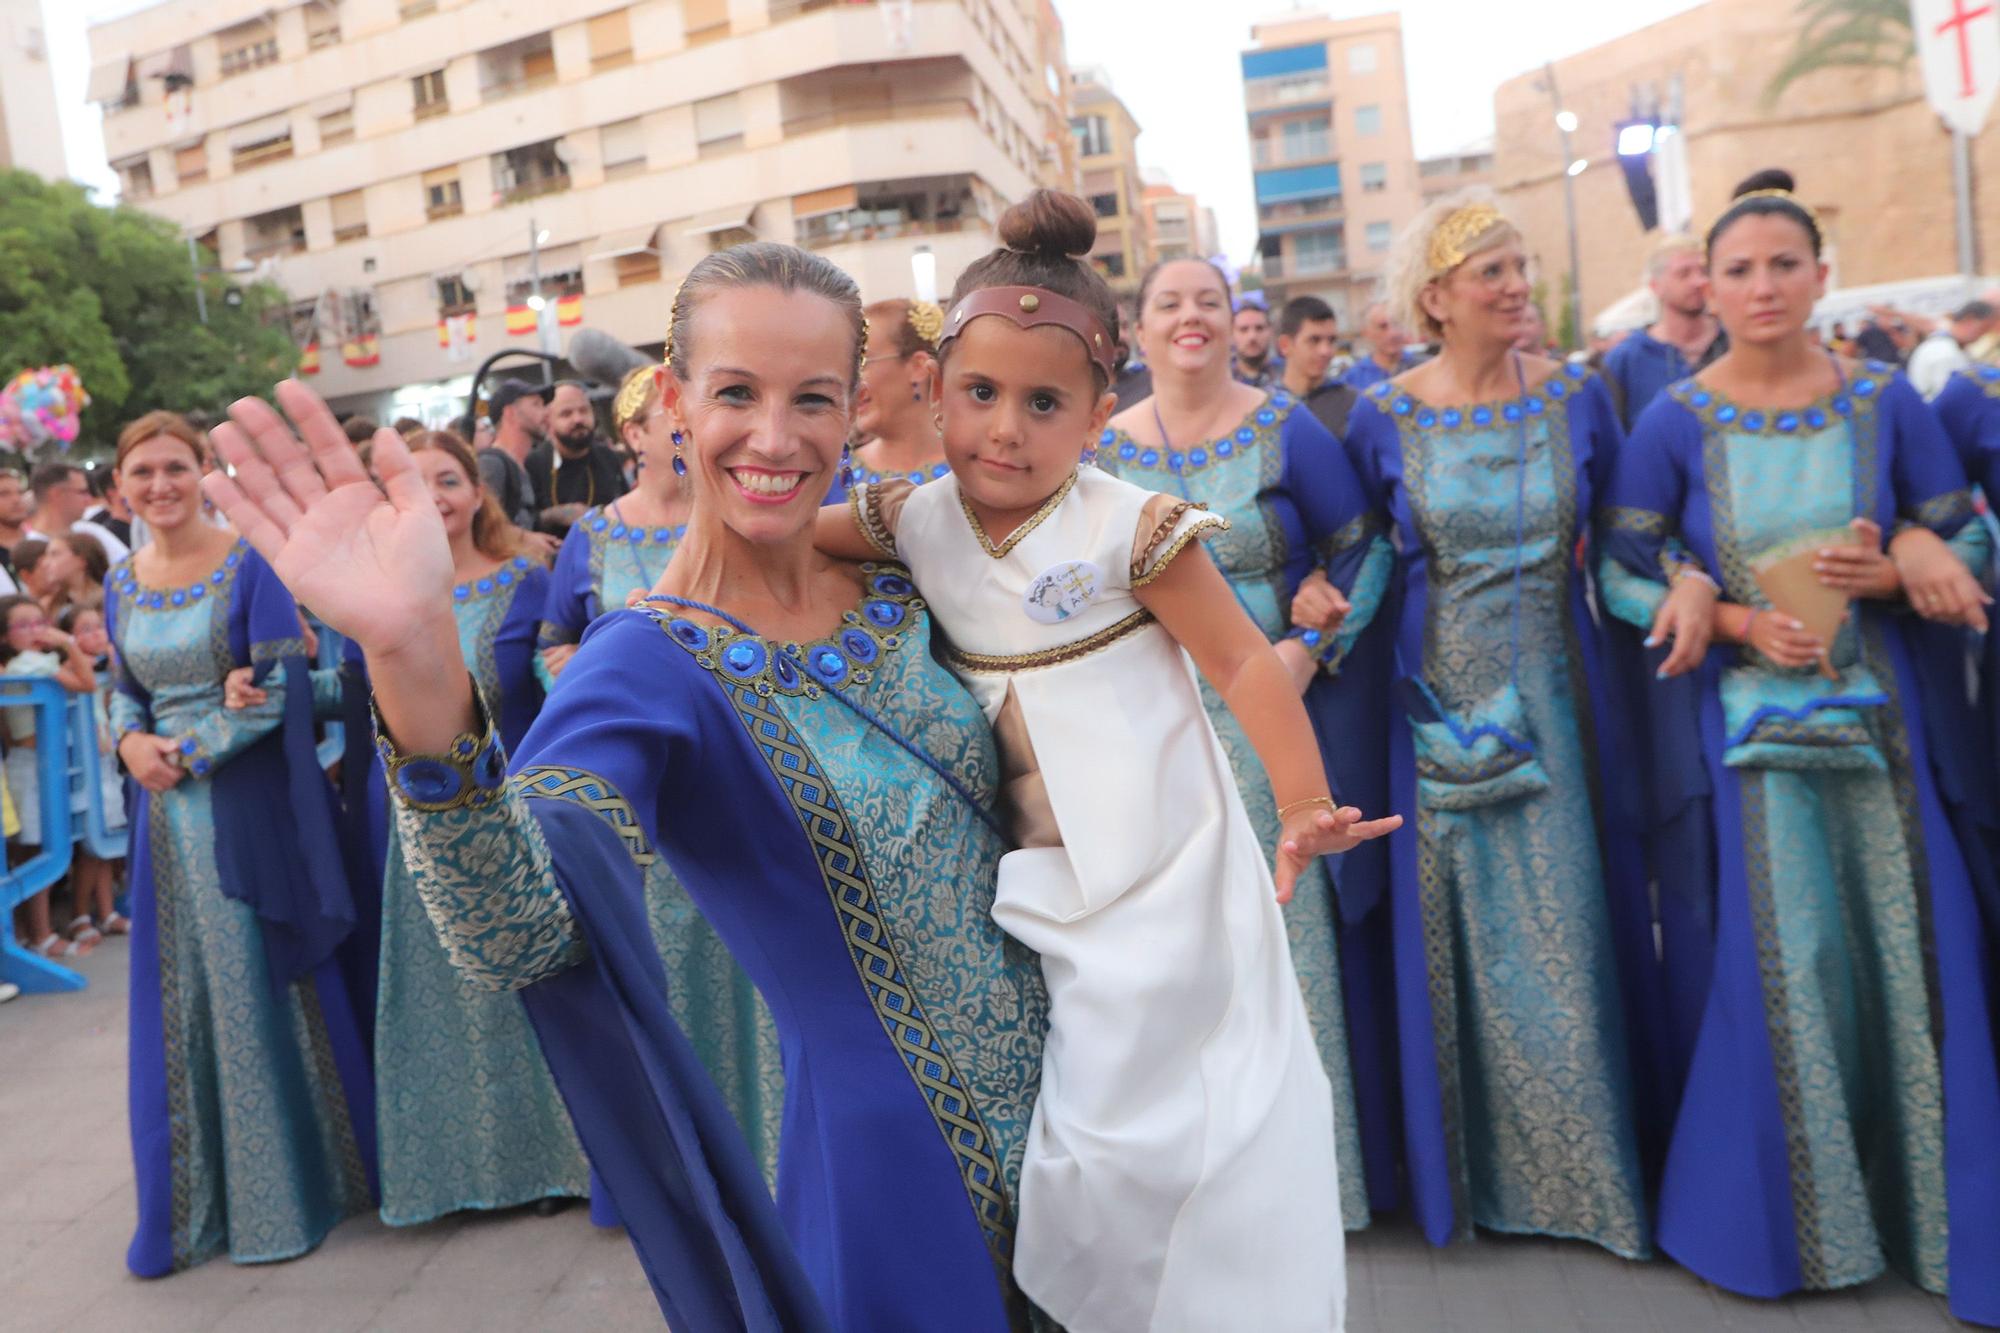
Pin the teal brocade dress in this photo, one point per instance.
(1261, 478)
(603, 561)
(468, 1114)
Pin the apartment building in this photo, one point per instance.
(1107, 151)
(435, 179)
(1332, 165)
(30, 138)
(1469, 166)
(1177, 226)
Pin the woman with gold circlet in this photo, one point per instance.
(1518, 908)
(1839, 1101)
(895, 413)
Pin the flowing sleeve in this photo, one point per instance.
(131, 707)
(1929, 479)
(1970, 414)
(1345, 531)
(516, 658)
(264, 633)
(568, 610)
(1641, 515)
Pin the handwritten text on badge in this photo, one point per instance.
(1062, 591)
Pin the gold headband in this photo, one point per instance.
(1460, 228)
(927, 320)
(633, 392)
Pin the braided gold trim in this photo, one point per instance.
(1208, 523)
(1028, 525)
(988, 664)
(862, 504)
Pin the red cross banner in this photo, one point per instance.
(1958, 43)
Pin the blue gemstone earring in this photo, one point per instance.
(916, 394)
(846, 466)
(680, 464)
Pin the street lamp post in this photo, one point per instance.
(1565, 122)
(200, 297)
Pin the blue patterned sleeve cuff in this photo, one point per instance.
(480, 862)
(1364, 601)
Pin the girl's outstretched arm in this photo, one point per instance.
(1190, 598)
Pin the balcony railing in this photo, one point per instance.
(494, 92)
(1285, 90)
(1303, 266)
(1279, 151)
(875, 115)
(1321, 208)
(819, 239)
(534, 189)
(270, 247)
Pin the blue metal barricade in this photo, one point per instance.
(22, 966)
(87, 763)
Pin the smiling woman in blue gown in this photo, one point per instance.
(774, 725)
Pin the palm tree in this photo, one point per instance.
(1846, 34)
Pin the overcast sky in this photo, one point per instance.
(1173, 61)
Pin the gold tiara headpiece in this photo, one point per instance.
(927, 319)
(1460, 228)
(1785, 195)
(633, 391)
(674, 318)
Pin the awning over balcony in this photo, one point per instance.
(256, 133)
(177, 63)
(109, 79)
(1277, 187)
(1284, 60)
(836, 200)
(735, 217)
(630, 241)
(332, 104)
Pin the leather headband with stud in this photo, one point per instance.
(1032, 307)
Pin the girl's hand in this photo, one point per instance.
(1318, 604)
(1782, 640)
(153, 760)
(1316, 831)
(372, 562)
(1861, 570)
(238, 691)
(556, 657)
(1936, 581)
(1687, 617)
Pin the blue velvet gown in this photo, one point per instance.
(1519, 914)
(854, 884)
(251, 1103)
(1292, 503)
(603, 560)
(466, 1110)
(1841, 1105)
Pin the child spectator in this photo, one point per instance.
(93, 884)
(34, 647)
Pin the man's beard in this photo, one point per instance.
(577, 443)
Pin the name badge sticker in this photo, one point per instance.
(1062, 591)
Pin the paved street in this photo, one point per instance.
(66, 1213)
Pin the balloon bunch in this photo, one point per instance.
(41, 405)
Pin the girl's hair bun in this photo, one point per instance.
(1770, 178)
(1050, 225)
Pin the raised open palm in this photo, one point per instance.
(371, 562)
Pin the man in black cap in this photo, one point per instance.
(519, 412)
(574, 470)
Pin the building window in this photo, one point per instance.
(622, 148)
(530, 170)
(1380, 234)
(1093, 135)
(259, 142)
(1318, 252)
(454, 297)
(517, 67)
(1368, 119)
(279, 232)
(336, 127)
(1307, 140)
(610, 39)
(322, 24)
(191, 163)
(561, 273)
(428, 94)
(1374, 177)
(705, 21)
(247, 46)
(1361, 59)
(1113, 263)
(1105, 204)
(634, 269)
(350, 216)
(135, 179)
(441, 194)
(718, 125)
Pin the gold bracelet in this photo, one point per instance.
(1326, 801)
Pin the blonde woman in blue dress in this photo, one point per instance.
(1180, 1170)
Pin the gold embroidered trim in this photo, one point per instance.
(1160, 533)
(867, 503)
(1207, 524)
(1032, 522)
(993, 665)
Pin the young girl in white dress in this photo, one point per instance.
(1180, 1168)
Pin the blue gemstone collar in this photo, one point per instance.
(916, 477)
(1259, 423)
(1717, 410)
(125, 583)
(848, 656)
(1405, 408)
(604, 526)
(500, 580)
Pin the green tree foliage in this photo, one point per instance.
(110, 291)
(1845, 34)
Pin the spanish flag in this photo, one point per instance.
(465, 326)
(520, 320)
(362, 350)
(569, 310)
(309, 359)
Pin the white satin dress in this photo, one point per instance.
(1180, 1172)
